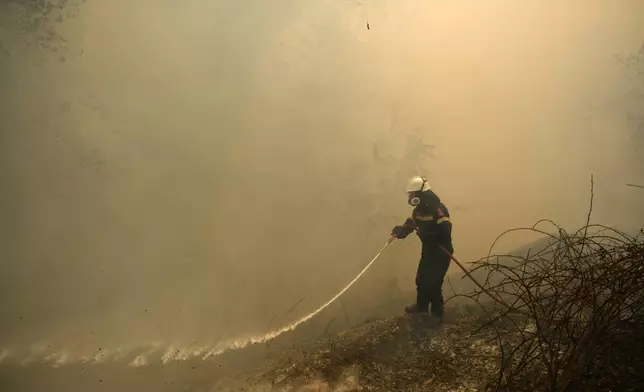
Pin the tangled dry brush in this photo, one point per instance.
(569, 315)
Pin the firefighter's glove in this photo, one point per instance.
(399, 232)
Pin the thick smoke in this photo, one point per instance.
(187, 170)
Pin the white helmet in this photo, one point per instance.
(414, 185)
(418, 184)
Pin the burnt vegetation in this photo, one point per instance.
(573, 311)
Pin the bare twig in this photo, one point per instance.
(326, 329)
(293, 307)
(268, 344)
(346, 315)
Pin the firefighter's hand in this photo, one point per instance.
(398, 232)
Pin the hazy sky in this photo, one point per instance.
(207, 163)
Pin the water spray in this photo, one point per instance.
(175, 353)
(243, 342)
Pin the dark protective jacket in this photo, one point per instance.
(431, 221)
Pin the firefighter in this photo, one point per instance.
(431, 222)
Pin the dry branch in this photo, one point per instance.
(575, 313)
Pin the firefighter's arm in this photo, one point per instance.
(405, 229)
(443, 225)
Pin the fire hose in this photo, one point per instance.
(243, 342)
(469, 275)
(309, 316)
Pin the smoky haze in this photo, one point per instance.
(187, 170)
